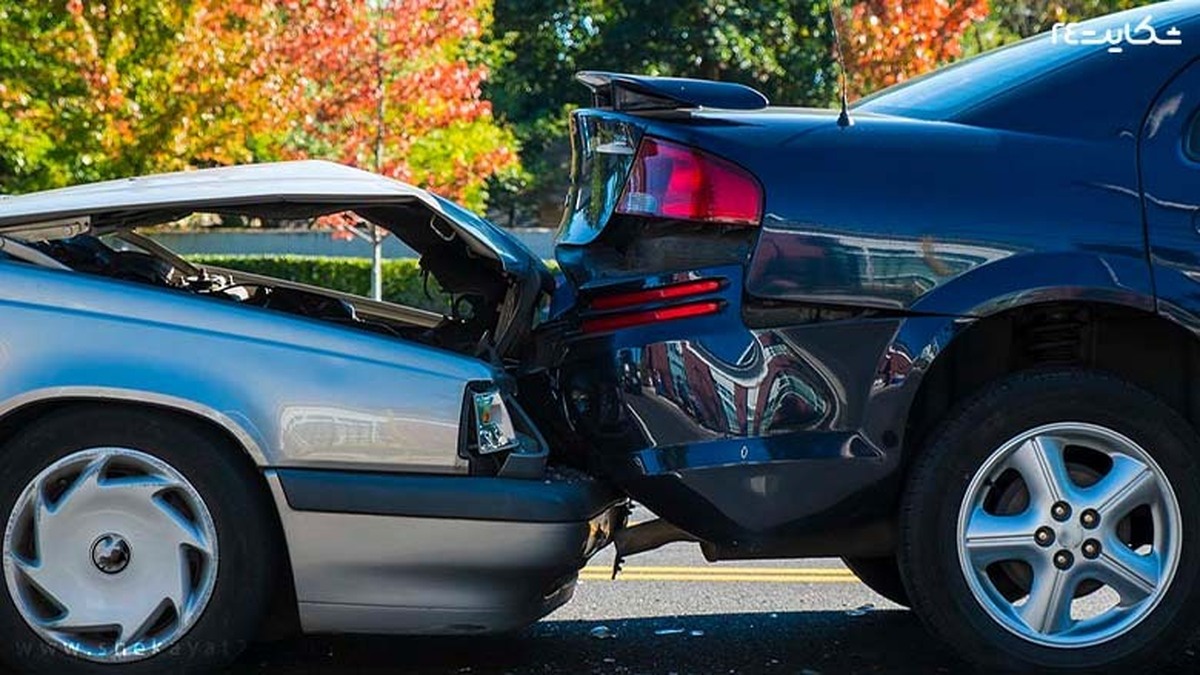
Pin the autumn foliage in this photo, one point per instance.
(889, 41)
(344, 66)
(132, 86)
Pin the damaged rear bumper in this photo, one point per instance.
(408, 554)
(802, 494)
(759, 441)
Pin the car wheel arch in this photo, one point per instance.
(36, 402)
(1125, 340)
(283, 617)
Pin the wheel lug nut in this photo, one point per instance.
(1089, 519)
(1063, 560)
(1061, 511)
(1044, 536)
(1091, 549)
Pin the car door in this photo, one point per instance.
(1170, 167)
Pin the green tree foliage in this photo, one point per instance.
(84, 92)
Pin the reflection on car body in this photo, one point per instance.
(743, 397)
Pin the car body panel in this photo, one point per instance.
(889, 232)
(1172, 198)
(1075, 225)
(302, 181)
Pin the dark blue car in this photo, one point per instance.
(952, 341)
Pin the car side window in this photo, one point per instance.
(1191, 138)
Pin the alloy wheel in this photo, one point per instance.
(1069, 535)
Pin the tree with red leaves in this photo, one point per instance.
(889, 41)
(389, 85)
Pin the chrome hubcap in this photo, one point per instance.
(110, 555)
(1069, 535)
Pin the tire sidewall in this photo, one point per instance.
(929, 554)
(881, 575)
(235, 605)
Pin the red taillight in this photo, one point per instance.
(618, 321)
(672, 292)
(669, 180)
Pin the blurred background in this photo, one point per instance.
(469, 98)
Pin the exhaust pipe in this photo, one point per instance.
(645, 536)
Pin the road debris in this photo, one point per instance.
(602, 633)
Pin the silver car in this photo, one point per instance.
(191, 453)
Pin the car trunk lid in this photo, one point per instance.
(303, 189)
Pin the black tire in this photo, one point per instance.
(954, 453)
(229, 487)
(881, 575)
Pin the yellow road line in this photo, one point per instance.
(724, 579)
(823, 571)
(810, 575)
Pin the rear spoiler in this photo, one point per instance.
(620, 91)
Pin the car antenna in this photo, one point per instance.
(843, 119)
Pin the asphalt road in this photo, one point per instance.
(669, 613)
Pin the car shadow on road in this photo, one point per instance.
(858, 641)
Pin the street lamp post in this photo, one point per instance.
(376, 235)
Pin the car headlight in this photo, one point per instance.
(493, 425)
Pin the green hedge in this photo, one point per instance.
(401, 277)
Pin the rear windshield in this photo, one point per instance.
(947, 93)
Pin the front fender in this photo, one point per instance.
(1038, 277)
